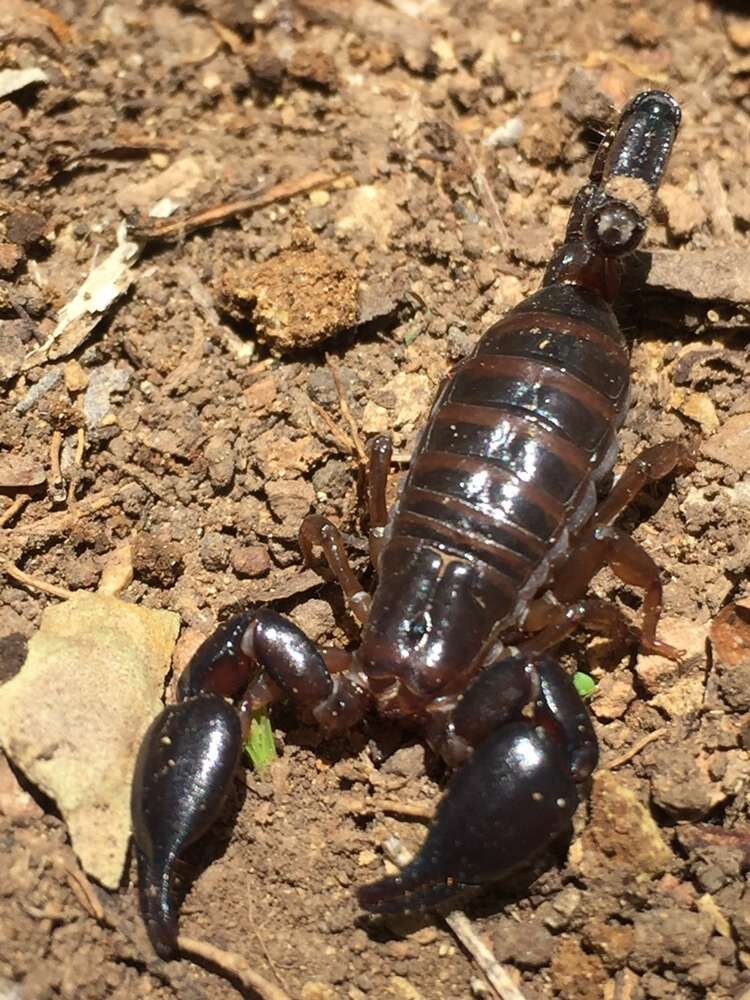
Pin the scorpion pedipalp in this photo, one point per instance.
(183, 773)
(511, 799)
(514, 796)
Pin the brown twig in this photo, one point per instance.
(56, 484)
(84, 892)
(634, 750)
(346, 411)
(10, 512)
(233, 965)
(254, 927)
(497, 975)
(424, 812)
(11, 570)
(168, 228)
(343, 440)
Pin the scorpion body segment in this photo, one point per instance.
(499, 504)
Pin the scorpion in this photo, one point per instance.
(482, 567)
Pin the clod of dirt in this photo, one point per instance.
(612, 696)
(15, 803)
(681, 783)
(575, 974)
(676, 938)
(731, 444)
(708, 275)
(18, 472)
(685, 212)
(581, 98)
(299, 298)
(528, 944)
(73, 718)
(178, 182)
(25, 227)
(621, 836)
(314, 67)
(250, 560)
(156, 561)
(10, 257)
(730, 638)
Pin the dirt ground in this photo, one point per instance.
(435, 148)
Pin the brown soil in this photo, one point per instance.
(219, 446)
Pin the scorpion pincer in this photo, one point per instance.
(482, 567)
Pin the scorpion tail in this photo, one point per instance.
(513, 797)
(182, 775)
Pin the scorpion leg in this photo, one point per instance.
(517, 792)
(189, 753)
(650, 466)
(380, 450)
(631, 564)
(318, 531)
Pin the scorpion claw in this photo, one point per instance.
(182, 775)
(510, 801)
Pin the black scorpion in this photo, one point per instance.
(496, 534)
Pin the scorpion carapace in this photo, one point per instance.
(482, 567)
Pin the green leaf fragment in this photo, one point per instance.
(584, 684)
(260, 746)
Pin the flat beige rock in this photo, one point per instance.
(72, 719)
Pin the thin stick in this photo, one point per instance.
(346, 412)
(163, 228)
(498, 977)
(233, 965)
(34, 582)
(10, 512)
(261, 942)
(84, 892)
(343, 440)
(424, 812)
(634, 750)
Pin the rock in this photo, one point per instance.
(527, 944)
(315, 618)
(680, 782)
(621, 836)
(220, 458)
(250, 560)
(73, 718)
(672, 937)
(102, 383)
(214, 551)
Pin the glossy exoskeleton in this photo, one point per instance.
(495, 536)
